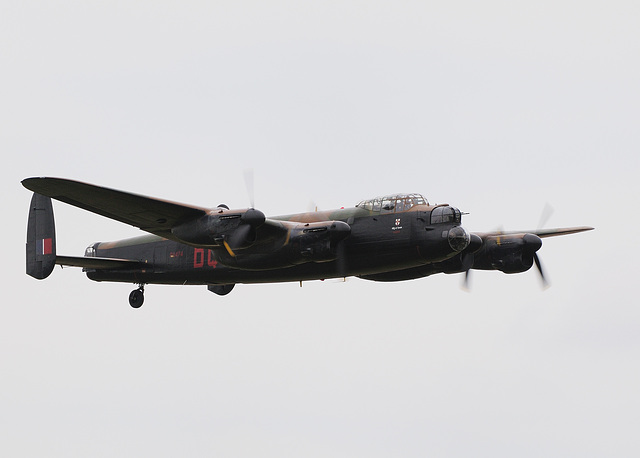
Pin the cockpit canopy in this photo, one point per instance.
(394, 203)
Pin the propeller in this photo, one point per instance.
(547, 211)
(249, 184)
(465, 282)
(236, 239)
(536, 259)
(249, 221)
(534, 243)
(468, 256)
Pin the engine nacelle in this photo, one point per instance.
(507, 253)
(317, 242)
(300, 243)
(219, 225)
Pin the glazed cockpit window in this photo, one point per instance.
(393, 203)
(388, 205)
(445, 215)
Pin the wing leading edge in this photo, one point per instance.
(540, 233)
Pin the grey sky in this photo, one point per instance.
(496, 107)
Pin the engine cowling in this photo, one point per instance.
(221, 225)
(507, 253)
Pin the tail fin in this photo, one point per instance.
(41, 238)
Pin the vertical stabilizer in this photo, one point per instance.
(41, 238)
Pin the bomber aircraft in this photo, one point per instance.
(390, 238)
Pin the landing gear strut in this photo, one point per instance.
(136, 298)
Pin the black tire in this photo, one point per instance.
(136, 298)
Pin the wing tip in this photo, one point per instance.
(37, 184)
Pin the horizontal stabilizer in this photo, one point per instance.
(99, 263)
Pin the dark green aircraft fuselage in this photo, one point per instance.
(377, 244)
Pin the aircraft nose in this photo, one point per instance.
(458, 238)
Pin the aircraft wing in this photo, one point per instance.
(147, 213)
(540, 233)
(157, 216)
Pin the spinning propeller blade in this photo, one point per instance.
(536, 259)
(249, 183)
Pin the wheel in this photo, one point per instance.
(136, 298)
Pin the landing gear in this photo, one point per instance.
(136, 298)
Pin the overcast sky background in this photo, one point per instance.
(498, 108)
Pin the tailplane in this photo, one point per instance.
(41, 238)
